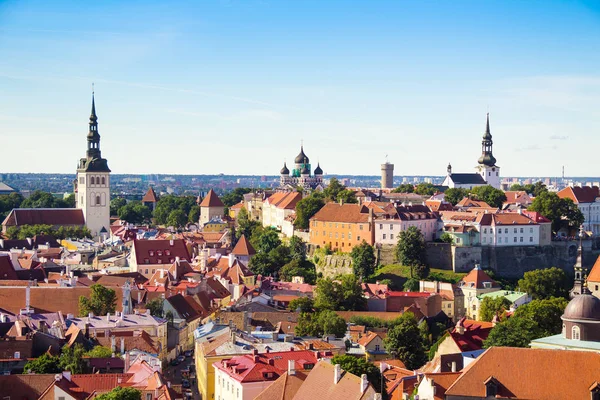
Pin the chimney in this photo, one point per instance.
(126, 368)
(364, 383)
(254, 352)
(337, 373)
(107, 317)
(291, 367)
(139, 296)
(311, 346)
(271, 361)
(90, 315)
(453, 366)
(122, 345)
(87, 330)
(255, 359)
(231, 259)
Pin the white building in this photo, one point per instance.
(509, 229)
(399, 218)
(487, 172)
(278, 207)
(587, 200)
(92, 184)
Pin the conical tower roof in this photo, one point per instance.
(212, 200)
(150, 196)
(243, 248)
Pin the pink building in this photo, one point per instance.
(399, 218)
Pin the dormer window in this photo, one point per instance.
(159, 253)
(151, 253)
(167, 252)
(491, 387)
(487, 285)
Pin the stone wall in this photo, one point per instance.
(335, 265)
(439, 255)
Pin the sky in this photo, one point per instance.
(234, 87)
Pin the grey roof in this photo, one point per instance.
(466, 179)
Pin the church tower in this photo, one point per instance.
(487, 167)
(92, 185)
(578, 284)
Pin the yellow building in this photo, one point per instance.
(372, 345)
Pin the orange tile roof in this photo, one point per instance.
(284, 388)
(284, 200)
(442, 381)
(476, 277)
(524, 373)
(578, 194)
(243, 247)
(150, 196)
(594, 275)
(211, 200)
(467, 202)
(335, 212)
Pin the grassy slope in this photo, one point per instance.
(398, 274)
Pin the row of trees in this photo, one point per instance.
(70, 359)
(38, 199)
(170, 210)
(62, 232)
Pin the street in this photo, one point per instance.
(173, 374)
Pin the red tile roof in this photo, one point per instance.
(475, 332)
(160, 251)
(536, 217)
(243, 247)
(335, 212)
(523, 373)
(476, 277)
(150, 196)
(211, 200)
(594, 275)
(579, 194)
(285, 200)
(44, 216)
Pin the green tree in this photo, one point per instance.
(68, 201)
(333, 189)
(304, 304)
(363, 260)
(447, 238)
(324, 322)
(490, 306)
(169, 203)
(245, 226)
(40, 199)
(102, 301)
(121, 393)
(425, 189)
(235, 196)
(306, 209)
(359, 366)
(8, 202)
(492, 196)
(405, 341)
(116, 203)
(297, 248)
(345, 294)
(562, 212)
(545, 283)
(156, 307)
(347, 196)
(44, 364)
(404, 188)
(410, 250)
(194, 214)
(305, 269)
(71, 359)
(134, 212)
(513, 332)
(177, 218)
(545, 313)
(99, 352)
(266, 241)
(411, 285)
(326, 294)
(455, 195)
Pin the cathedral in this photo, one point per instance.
(301, 174)
(92, 184)
(487, 172)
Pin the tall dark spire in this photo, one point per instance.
(93, 160)
(578, 284)
(487, 158)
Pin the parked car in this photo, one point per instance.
(175, 361)
(181, 358)
(188, 353)
(185, 384)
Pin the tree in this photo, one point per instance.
(425, 189)
(304, 304)
(455, 195)
(102, 301)
(266, 241)
(363, 260)
(68, 201)
(134, 212)
(410, 250)
(545, 313)
(194, 214)
(333, 189)
(177, 218)
(305, 269)
(235, 196)
(115, 204)
(169, 203)
(345, 294)
(40, 199)
(491, 306)
(99, 352)
(121, 393)
(562, 212)
(71, 359)
(404, 188)
(326, 295)
(411, 285)
(545, 283)
(245, 226)
(347, 196)
(306, 208)
(513, 332)
(533, 189)
(492, 196)
(297, 248)
(325, 322)
(447, 238)
(359, 366)
(405, 341)
(156, 307)
(44, 364)
(8, 202)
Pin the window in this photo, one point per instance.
(380, 226)
(358, 238)
(531, 238)
(97, 199)
(564, 330)
(484, 240)
(391, 227)
(343, 236)
(521, 230)
(92, 180)
(324, 234)
(17, 355)
(384, 236)
(521, 239)
(360, 227)
(515, 230)
(515, 239)
(336, 235)
(148, 396)
(499, 230)
(505, 230)
(103, 180)
(391, 235)
(484, 230)
(349, 235)
(575, 333)
(376, 347)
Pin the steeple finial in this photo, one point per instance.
(93, 117)
(487, 125)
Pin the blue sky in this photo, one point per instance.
(205, 87)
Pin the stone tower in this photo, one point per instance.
(387, 175)
(92, 185)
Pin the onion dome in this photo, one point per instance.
(584, 307)
(318, 170)
(301, 158)
(487, 159)
(305, 171)
(284, 170)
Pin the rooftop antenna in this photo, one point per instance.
(386, 159)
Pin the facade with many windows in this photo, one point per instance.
(342, 226)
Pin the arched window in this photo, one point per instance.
(575, 333)
(97, 199)
(103, 181)
(92, 180)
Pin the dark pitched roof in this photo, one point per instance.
(466, 179)
(44, 216)
(183, 308)
(26, 387)
(160, 251)
(7, 270)
(212, 200)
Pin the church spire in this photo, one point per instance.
(578, 284)
(487, 158)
